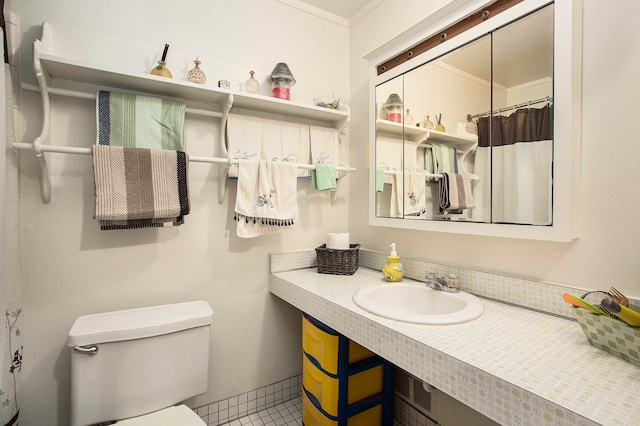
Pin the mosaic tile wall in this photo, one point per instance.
(530, 294)
(245, 404)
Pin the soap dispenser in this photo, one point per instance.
(393, 270)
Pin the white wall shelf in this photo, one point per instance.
(52, 70)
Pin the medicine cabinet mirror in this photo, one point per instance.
(479, 136)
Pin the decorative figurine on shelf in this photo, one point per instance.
(427, 124)
(439, 127)
(281, 81)
(251, 85)
(196, 75)
(393, 108)
(161, 68)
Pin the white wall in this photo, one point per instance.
(72, 268)
(607, 253)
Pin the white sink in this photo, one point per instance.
(417, 303)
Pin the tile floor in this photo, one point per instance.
(286, 414)
(289, 414)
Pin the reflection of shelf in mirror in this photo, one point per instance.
(397, 129)
(425, 135)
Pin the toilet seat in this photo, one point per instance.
(172, 416)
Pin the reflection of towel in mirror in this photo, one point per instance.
(244, 138)
(408, 191)
(445, 158)
(414, 203)
(379, 180)
(455, 193)
(266, 198)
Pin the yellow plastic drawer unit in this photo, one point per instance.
(311, 416)
(326, 389)
(323, 344)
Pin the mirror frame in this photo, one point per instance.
(567, 111)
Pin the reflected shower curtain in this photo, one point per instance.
(10, 268)
(514, 163)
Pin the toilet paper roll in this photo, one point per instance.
(338, 241)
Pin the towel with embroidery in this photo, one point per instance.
(139, 188)
(138, 121)
(266, 199)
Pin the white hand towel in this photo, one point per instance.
(414, 196)
(266, 200)
(244, 137)
(397, 192)
(286, 142)
(324, 145)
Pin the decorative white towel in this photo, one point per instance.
(397, 193)
(414, 195)
(266, 200)
(324, 145)
(286, 142)
(455, 193)
(244, 138)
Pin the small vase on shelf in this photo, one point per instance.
(439, 127)
(161, 69)
(252, 85)
(196, 75)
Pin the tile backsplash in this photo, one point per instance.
(518, 291)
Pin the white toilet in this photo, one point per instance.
(133, 366)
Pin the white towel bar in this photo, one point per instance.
(435, 175)
(192, 159)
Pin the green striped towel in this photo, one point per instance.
(138, 121)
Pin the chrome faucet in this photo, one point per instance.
(440, 283)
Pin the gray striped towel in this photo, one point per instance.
(455, 193)
(140, 188)
(138, 121)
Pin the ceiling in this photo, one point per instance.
(343, 8)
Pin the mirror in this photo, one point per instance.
(467, 136)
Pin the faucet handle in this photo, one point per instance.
(454, 281)
(430, 274)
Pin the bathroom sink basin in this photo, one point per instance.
(417, 303)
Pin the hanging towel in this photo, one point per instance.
(379, 180)
(397, 194)
(445, 158)
(455, 193)
(414, 195)
(137, 121)
(244, 139)
(323, 178)
(266, 200)
(140, 188)
(286, 142)
(324, 145)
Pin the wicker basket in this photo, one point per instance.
(337, 262)
(611, 336)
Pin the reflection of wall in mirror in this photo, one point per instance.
(437, 88)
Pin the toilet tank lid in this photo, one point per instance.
(139, 323)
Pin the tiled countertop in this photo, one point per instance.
(515, 365)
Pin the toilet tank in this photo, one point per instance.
(133, 362)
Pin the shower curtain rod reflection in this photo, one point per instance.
(498, 111)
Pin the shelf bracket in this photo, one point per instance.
(43, 82)
(224, 169)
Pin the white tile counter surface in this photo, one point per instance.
(515, 365)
